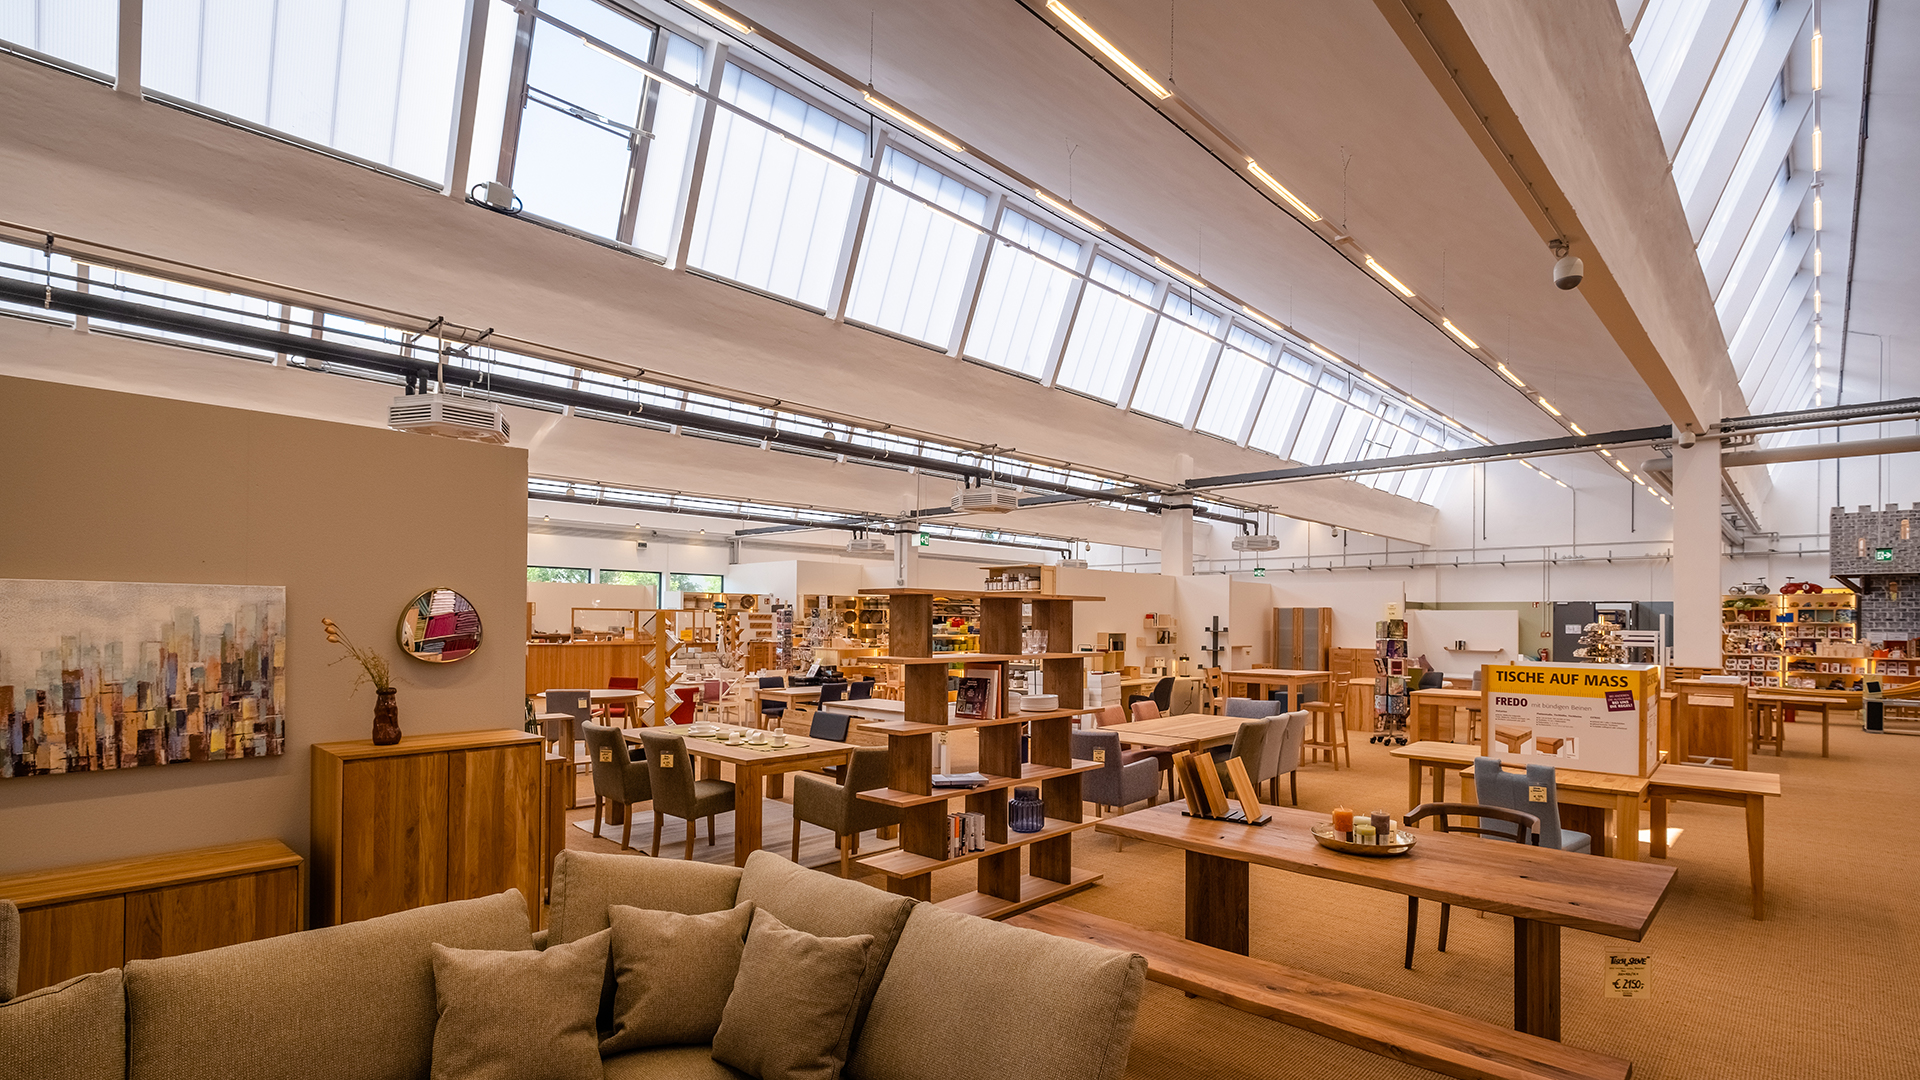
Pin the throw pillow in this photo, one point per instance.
(791, 1012)
(672, 975)
(519, 1015)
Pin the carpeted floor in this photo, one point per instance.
(1823, 989)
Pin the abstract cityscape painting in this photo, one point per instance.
(98, 675)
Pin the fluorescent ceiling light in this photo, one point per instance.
(916, 125)
(1457, 332)
(1511, 377)
(1816, 214)
(1179, 273)
(1816, 150)
(1323, 351)
(1623, 466)
(1372, 378)
(1819, 62)
(722, 16)
(1093, 37)
(1261, 319)
(1816, 262)
(1389, 278)
(1068, 210)
(1575, 427)
(1292, 199)
(1548, 405)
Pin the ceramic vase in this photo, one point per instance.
(386, 718)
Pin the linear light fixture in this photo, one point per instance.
(1292, 199)
(1323, 351)
(1575, 427)
(1623, 466)
(1816, 262)
(604, 51)
(1816, 150)
(1093, 37)
(1389, 278)
(803, 144)
(1557, 480)
(1372, 378)
(1816, 301)
(1606, 453)
(917, 125)
(1068, 210)
(1457, 332)
(1816, 333)
(1663, 499)
(1511, 377)
(1261, 319)
(1639, 481)
(722, 16)
(1179, 273)
(1548, 405)
(1816, 214)
(1819, 62)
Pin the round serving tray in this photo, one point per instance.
(1402, 841)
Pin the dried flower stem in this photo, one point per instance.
(372, 665)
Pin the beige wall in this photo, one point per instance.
(354, 521)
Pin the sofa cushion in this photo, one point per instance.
(1061, 1010)
(828, 906)
(791, 1012)
(672, 974)
(669, 1063)
(586, 884)
(357, 998)
(76, 1030)
(519, 1014)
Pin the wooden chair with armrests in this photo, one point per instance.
(1511, 825)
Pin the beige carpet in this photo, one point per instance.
(1824, 989)
(817, 847)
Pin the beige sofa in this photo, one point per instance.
(958, 998)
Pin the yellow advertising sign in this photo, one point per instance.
(1592, 717)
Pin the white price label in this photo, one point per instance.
(1626, 975)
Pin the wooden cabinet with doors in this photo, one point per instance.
(433, 818)
(1301, 638)
(80, 919)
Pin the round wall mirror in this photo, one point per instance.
(439, 626)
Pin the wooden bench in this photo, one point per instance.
(1392, 1027)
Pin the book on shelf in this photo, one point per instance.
(979, 693)
(966, 832)
(959, 780)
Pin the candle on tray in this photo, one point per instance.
(1363, 832)
(1382, 823)
(1342, 821)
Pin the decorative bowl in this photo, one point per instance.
(1402, 841)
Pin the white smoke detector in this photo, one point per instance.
(452, 417)
(1256, 543)
(986, 499)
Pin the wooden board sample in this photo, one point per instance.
(1245, 791)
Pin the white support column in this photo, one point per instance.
(1696, 554)
(1176, 537)
(906, 558)
(126, 78)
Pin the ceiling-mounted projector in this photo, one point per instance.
(1073, 564)
(986, 499)
(866, 544)
(1256, 543)
(453, 417)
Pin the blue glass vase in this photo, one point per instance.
(1025, 812)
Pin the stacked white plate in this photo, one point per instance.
(1040, 703)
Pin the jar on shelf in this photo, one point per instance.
(1025, 812)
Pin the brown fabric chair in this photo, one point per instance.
(839, 806)
(675, 792)
(616, 776)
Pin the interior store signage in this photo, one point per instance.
(1573, 716)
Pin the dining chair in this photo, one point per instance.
(575, 703)
(1509, 824)
(1280, 755)
(622, 710)
(1161, 756)
(860, 691)
(1183, 697)
(1495, 786)
(771, 710)
(1145, 709)
(1249, 743)
(1117, 783)
(833, 727)
(1253, 708)
(711, 691)
(617, 778)
(832, 692)
(675, 791)
(1163, 695)
(839, 806)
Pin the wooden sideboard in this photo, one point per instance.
(433, 818)
(80, 919)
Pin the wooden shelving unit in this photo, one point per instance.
(1005, 886)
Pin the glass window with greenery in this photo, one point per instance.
(571, 575)
(686, 583)
(645, 579)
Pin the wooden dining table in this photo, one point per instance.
(755, 767)
(1430, 712)
(1183, 731)
(1763, 699)
(1543, 890)
(1288, 679)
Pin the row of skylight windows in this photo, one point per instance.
(587, 114)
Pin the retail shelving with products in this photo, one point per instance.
(1004, 886)
(1819, 641)
(1750, 636)
(1390, 667)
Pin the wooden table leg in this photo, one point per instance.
(1414, 766)
(746, 813)
(1626, 828)
(776, 785)
(566, 751)
(1657, 824)
(1824, 710)
(1217, 905)
(1536, 978)
(1757, 851)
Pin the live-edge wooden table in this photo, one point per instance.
(752, 769)
(1542, 890)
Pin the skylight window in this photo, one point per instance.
(1176, 360)
(1106, 333)
(1023, 296)
(913, 265)
(1235, 387)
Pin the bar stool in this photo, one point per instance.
(1327, 731)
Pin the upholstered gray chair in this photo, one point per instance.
(1115, 783)
(1493, 786)
(1247, 708)
(1280, 755)
(1249, 744)
(839, 806)
(675, 792)
(617, 778)
(9, 950)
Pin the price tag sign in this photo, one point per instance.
(606, 753)
(666, 761)
(1100, 755)
(1536, 794)
(1626, 975)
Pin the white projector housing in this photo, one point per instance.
(986, 500)
(453, 417)
(866, 544)
(1256, 543)
(1073, 564)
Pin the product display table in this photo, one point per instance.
(751, 767)
(1721, 787)
(1616, 798)
(1762, 702)
(1542, 890)
(1431, 715)
(1240, 683)
(1186, 731)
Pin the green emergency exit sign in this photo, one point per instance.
(1882, 554)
